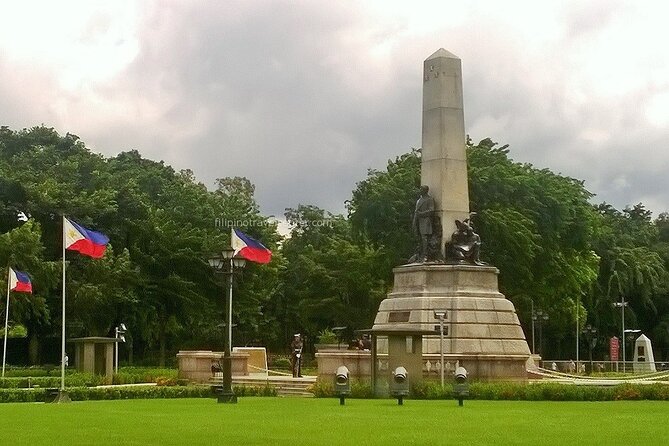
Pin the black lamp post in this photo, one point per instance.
(622, 304)
(590, 333)
(225, 265)
(539, 316)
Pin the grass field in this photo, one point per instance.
(279, 421)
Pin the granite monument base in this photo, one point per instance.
(481, 328)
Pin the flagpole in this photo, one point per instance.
(62, 342)
(4, 348)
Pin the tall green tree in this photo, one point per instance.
(330, 278)
(22, 248)
(535, 226)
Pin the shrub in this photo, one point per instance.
(109, 393)
(75, 379)
(427, 390)
(137, 375)
(265, 390)
(324, 388)
(281, 362)
(131, 392)
(327, 336)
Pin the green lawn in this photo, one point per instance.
(277, 421)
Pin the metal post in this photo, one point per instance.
(4, 348)
(441, 348)
(227, 395)
(532, 317)
(578, 305)
(225, 265)
(62, 334)
(374, 364)
(230, 309)
(116, 351)
(622, 310)
(622, 304)
(541, 343)
(441, 315)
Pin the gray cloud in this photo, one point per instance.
(303, 97)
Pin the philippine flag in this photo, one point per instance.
(249, 248)
(19, 282)
(86, 242)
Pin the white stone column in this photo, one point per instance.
(444, 157)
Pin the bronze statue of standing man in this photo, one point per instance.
(422, 222)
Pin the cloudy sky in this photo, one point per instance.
(302, 97)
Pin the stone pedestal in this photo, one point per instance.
(481, 330)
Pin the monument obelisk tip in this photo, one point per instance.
(442, 53)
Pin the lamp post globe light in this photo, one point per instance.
(590, 333)
(630, 334)
(120, 337)
(541, 317)
(225, 265)
(440, 315)
(622, 304)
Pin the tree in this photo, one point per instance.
(22, 248)
(330, 278)
(162, 226)
(535, 225)
(381, 208)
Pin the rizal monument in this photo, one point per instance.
(445, 278)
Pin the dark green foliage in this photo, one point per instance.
(266, 390)
(554, 249)
(381, 208)
(431, 390)
(134, 392)
(138, 392)
(330, 278)
(535, 225)
(71, 380)
(360, 388)
(135, 375)
(163, 225)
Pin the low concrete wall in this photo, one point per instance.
(195, 365)
(479, 367)
(358, 362)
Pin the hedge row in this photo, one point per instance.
(133, 392)
(515, 391)
(136, 375)
(71, 380)
(127, 375)
(550, 392)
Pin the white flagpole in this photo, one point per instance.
(4, 349)
(62, 344)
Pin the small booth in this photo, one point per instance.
(405, 349)
(94, 355)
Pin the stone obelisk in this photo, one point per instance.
(444, 157)
(459, 297)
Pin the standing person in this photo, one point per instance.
(296, 347)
